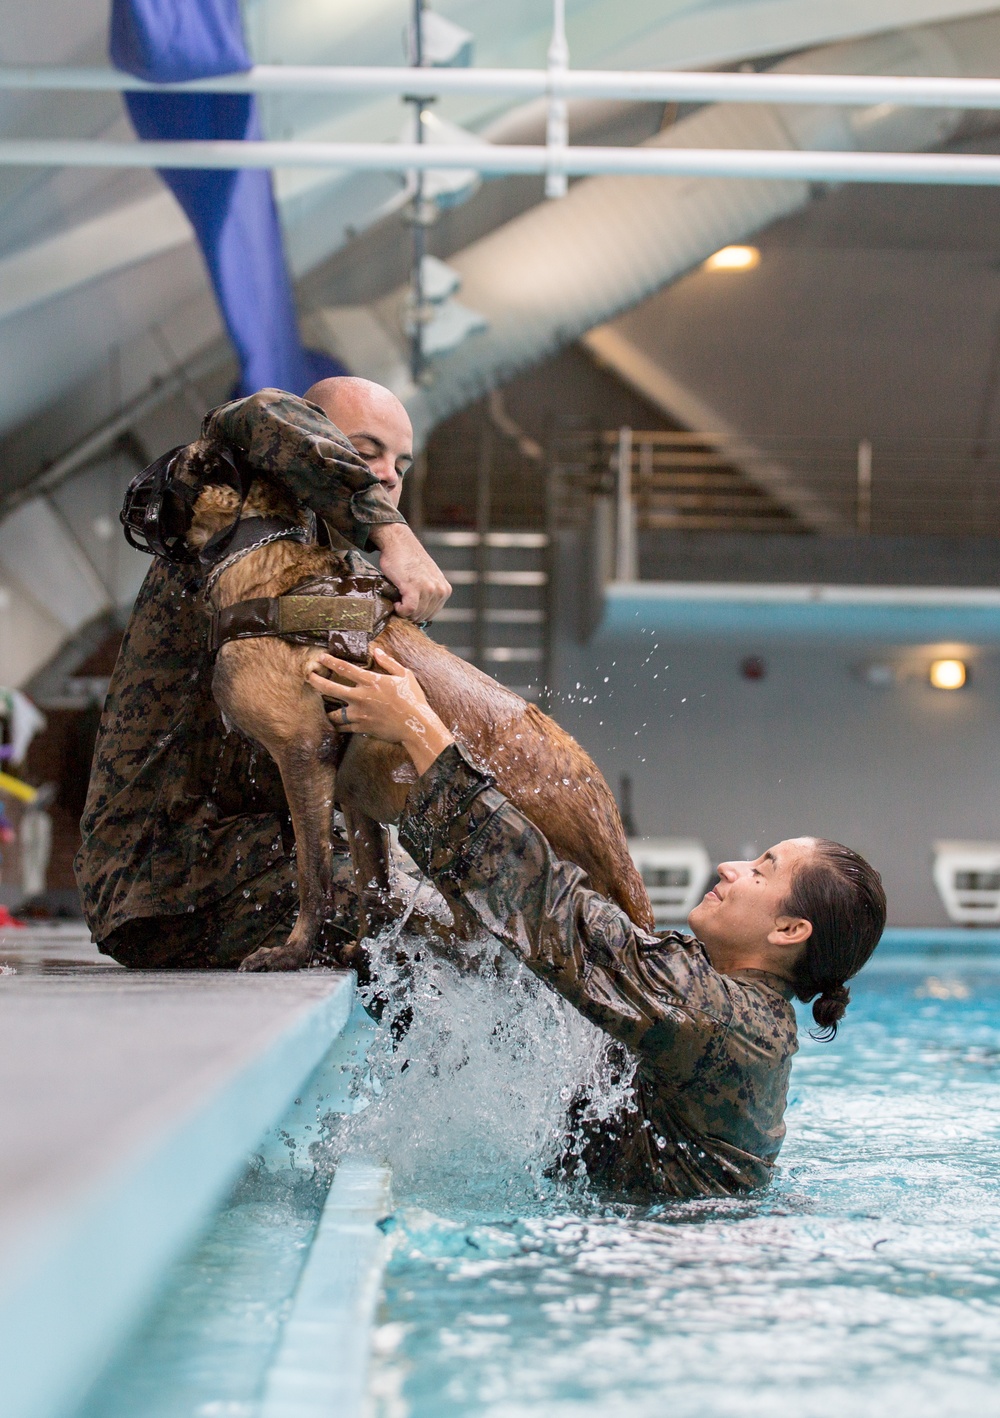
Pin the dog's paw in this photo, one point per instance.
(276, 957)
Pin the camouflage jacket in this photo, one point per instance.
(180, 812)
(713, 1052)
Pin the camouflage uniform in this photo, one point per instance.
(187, 855)
(713, 1051)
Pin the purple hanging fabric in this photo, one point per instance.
(233, 213)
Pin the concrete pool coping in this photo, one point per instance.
(183, 1075)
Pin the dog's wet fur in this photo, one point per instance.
(260, 687)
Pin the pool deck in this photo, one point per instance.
(129, 1102)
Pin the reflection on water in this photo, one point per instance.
(867, 1280)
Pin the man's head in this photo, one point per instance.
(809, 910)
(374, 421)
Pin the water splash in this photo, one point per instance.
(471, 1073)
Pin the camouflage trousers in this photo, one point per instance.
(260, 912)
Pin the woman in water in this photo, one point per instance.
(708, 1016)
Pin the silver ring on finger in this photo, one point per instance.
(343, 714)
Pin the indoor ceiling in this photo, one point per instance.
(874, 313)
(103, 297)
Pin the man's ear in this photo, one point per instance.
(789, 931)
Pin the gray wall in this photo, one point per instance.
(812, 748)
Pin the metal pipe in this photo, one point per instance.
(625, 567)
(419, 213)
(851, 90)
(557, 123)
(481, 586)
(956, 169)
(865, 486)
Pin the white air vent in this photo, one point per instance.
(675, 871)
(967, 876)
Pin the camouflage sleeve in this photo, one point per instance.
(476, 845)
(297, 444)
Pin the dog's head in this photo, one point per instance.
(178, 504)
(219, 498)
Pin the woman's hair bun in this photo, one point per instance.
(830, 1008)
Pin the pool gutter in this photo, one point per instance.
(321, 1366)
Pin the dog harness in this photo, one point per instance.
(342, 613)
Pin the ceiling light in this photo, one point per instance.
(947, 674)
(734, 258)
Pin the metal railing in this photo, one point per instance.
(791, 165)
(682, 481)
(556, 160)
(639, 86)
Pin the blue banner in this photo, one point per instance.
(233, 213)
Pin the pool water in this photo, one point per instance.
(205, 1350)
(866, 1281)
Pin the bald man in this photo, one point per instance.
(187, 859)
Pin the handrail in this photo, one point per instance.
(958, 169)
(850, 90)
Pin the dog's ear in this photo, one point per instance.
(201, 463)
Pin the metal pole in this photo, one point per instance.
(557, 126)
(418, 216)
(625, 510)
(948, 169)
(551, 563)
(848, 90)
(482, 560)
(864, 486)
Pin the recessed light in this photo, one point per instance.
(734, 258)
(947, 674)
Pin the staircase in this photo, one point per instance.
(497, 617)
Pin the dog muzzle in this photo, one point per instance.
(159, 508)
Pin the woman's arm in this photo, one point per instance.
(390, 706)
(477, 846)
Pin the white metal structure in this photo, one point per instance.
(675, 871)
(635, 86)
(951, 169)
(967, 877)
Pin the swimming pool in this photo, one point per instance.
(867, 1280)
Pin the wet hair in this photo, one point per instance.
(842, 896)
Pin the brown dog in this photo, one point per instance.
(260, 687)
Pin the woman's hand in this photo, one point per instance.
(389, 706)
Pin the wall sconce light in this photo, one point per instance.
(734, 258)
(948, 674)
